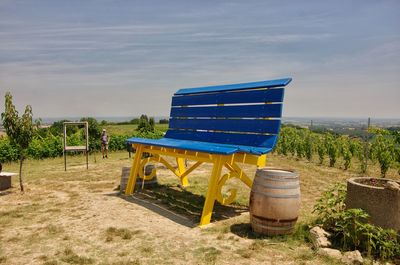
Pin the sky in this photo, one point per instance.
(124, 58)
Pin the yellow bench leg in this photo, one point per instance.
(182, 169)
(212, 191)
(262, 161)
(134, 170)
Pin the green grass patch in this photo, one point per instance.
(69, 256)
(127, 129)
(122, 233)
(207, 254)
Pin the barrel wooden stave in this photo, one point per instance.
(126, 171)
(274, 201)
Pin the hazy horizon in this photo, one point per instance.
(167, 116)
(316, 120)
(123, 58)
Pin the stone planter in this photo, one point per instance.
(379, 201)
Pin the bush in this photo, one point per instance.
(52, 146)
(349, 227)
(346, 151)
(383, 150)
(146, 125)
(58, 126)
(94, 133)
(163, 121)
(8, 152)
(309, 146)
(332, 148)
(321, 149)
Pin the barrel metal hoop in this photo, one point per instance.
(277, 172)
(279, 179)
(278, 187)
(274, 220)
(276, 228)
(280, 196)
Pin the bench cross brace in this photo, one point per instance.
(216, 181)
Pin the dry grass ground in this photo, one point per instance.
(77, 217)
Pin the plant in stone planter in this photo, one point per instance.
(380, 198)
(349, 228)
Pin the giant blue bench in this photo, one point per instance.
(224, 125)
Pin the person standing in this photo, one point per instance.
(104, 143)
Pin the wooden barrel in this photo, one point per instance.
(274, 201)
(125, 176)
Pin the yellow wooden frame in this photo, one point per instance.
(216, 181)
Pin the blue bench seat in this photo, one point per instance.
(207, 147)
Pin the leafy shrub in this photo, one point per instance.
(163, 121)
(332, 149)
(330, 206)
(58, 126)
(94, 133)
(145, 124)
(40, 148)
(8, 152)
(345, 151)
(350, 229)
(300, 145)
(309, 146)
(383, 150)
(287, 141)
(117, 142)
(52, 146)
(321, 150)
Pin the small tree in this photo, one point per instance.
(163, 121)
(289, 140)
(331, 148)
(145, 124)
(20, 130)
(94, 132)
(282, 146)
(346, 151)
(300, 147)
(57, 128)
(309, 146)
(383, 151)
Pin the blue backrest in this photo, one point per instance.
(240, 114)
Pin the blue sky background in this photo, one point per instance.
(124, 58)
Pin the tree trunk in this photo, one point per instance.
(20, 173)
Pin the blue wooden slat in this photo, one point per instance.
(232, 87)
(245, 111)
(187, 145)
(254, 96)
(229, 125)
(224, 138)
